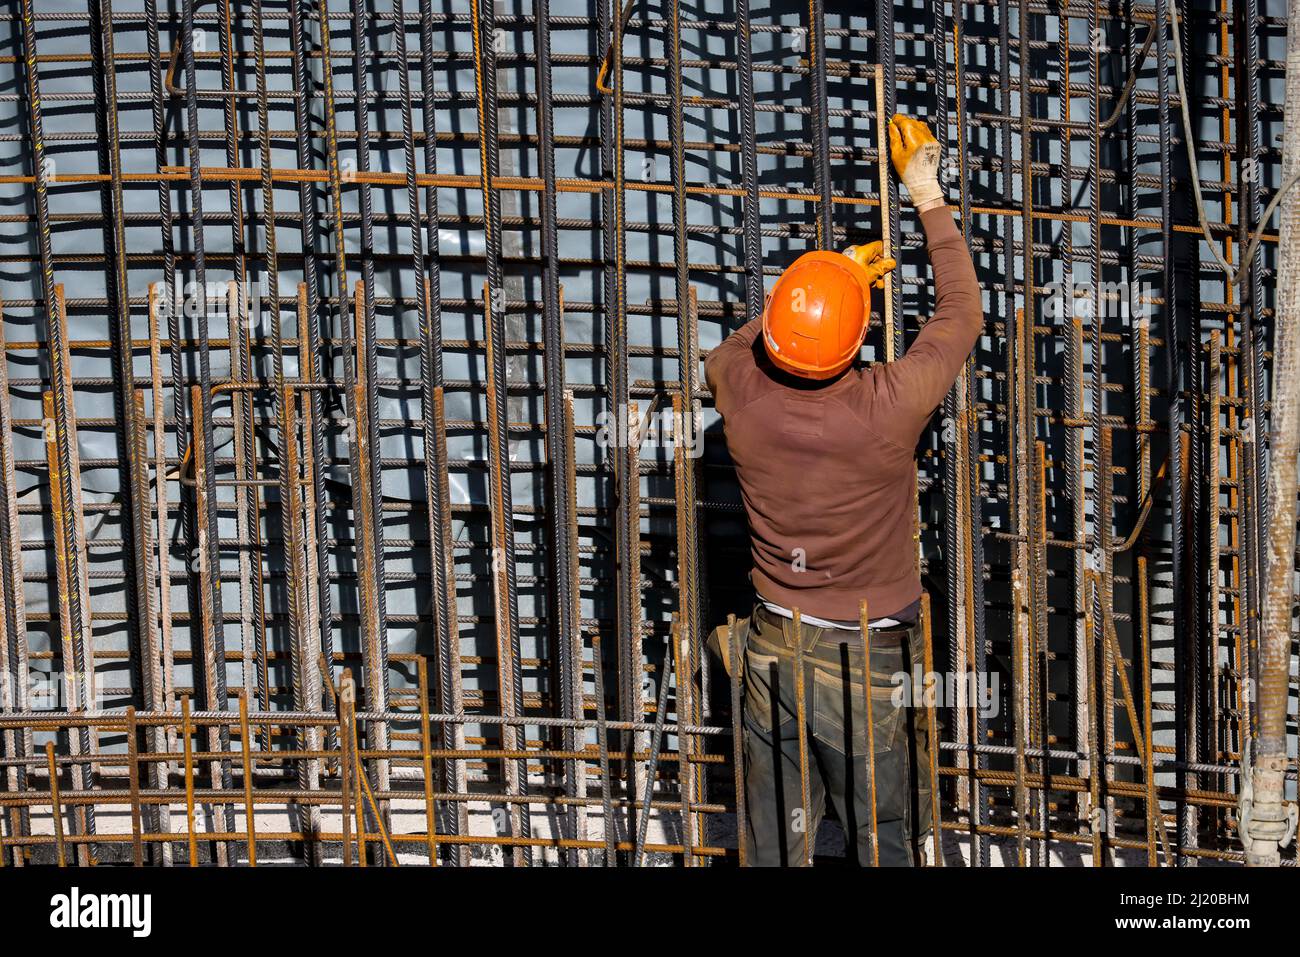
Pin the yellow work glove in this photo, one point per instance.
(915, 153)
(870, 257)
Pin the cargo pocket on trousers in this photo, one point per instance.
(760, 672)
(833, 697)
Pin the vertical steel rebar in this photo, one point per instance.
(1050, 432)
(76, 624)
(1269, 821)
(13, 615)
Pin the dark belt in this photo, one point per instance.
(894, 633)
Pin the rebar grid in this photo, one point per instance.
(394, 543)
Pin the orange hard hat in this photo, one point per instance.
(816, 316)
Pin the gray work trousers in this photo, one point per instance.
(835, 752)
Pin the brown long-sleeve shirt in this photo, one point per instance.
(827, 469)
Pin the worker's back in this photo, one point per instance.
(826, 468)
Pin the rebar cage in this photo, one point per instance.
(363, 498)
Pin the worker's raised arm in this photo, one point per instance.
(735, 348)
(914, 385)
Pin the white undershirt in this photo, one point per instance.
(816, 622)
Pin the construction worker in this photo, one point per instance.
(824, 454)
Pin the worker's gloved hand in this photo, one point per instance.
(915, 152)
(870, 257)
